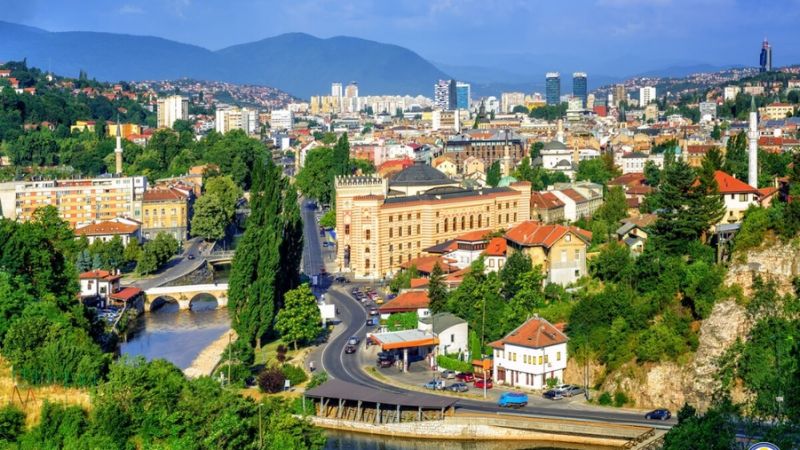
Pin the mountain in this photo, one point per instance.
(298, 63)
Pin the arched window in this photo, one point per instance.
(471, 224)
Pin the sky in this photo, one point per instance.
(516, 36)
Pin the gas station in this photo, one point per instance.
(417, 342)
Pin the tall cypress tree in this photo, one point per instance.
(291, 251)
(437, 291)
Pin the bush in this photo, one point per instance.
(281, 353)
(402, 321)
(12, 422)
(316, 380)
(604, 399)
(551, 382)
(240, 374)
(271, 380)
(294, 374)
(620, 399)
(447, 362)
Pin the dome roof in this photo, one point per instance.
(554, 145)
(506, 181)
(420, 174)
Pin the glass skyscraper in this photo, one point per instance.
(553, 88)
(579, 86)
(463, 97)
(765, 59)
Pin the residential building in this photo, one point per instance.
(170, 109)
(634, 232)
(708, 111)
(78, 201)
(381, 224)
(410, 300)
(231, 118)
(581, 199)
(166, 211)
(738, 196)
(552, 81)
(445, 165)
(125, 129)
(98, 284)
(446, 120)
(452, 331)
(441, 94)
(281, 119)
(579, 89)
(647, 94)
(125, 229)
(508, 100)
(473, 165)
(559, 249)
(336, 90)
(775, 111)
(463, 95)
(546, 207)
(765, 58)
(651, 112)
(730, 93)
(533, 353)
(633, 162)
(351, 91)
(496, 254)
(619, 94)
(82, 125)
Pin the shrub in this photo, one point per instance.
(271, 380)
(604, 399)
(318, 379)
(281, 353)
(240, 374)
(294, 374)
(447, 362)
(620, 399)
(12, 422)
(551, 382)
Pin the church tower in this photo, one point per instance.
(752, 153)
(118, 150)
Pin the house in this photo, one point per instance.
(98, 284)
(530, 355)
(737, 194)
(452, 331)
(445, 165)
(127, 296)
(633, 232)
(473, 165)
(408, 301)
(633, 162)
(425, 264)
(546, 207)
(559, 249)
(580, 199)
(107, 230)
(495, 254)
(468, 248)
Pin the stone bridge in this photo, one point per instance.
(185, 295)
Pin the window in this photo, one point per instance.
(437, 228)
(409, 216)
(419, 228)
(452, 338)
(480, 221)
(578, 255)
(742, 197)
(400, 246)
(568, 237)
(399, 231)
(491, 262)
(733, 196)
(463, 221)
(563, 256)
(366, 264)
(471, 223)
(366, 235)
(391, 231)
(558, 356)
(545, 359)
(390, 218)
(445, 225)
(347, 229)
(419, 215)
(409, 230)
(506, 217)
(391, 261)
(499, 218)
(515, 217)
(418, 244)
(540, 359)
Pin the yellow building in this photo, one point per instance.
(775, 111)
(166, 211)
(380, 224)
(78, 201)
(126, 129)
(559, 249)
(82, 125)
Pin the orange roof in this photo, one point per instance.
(106, 228)
(627, 179)
(406, 301)
(536, 332)
(545, 200)
(425, 264)
(730, 185)
(126, 294)
(496, 247)
(98, 274)
(699, 149)
(767, 191)
(574, 195)
(160, 195)
(474, 236)
(418, 283)
(531, 234)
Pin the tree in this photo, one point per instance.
(341, 156)
(300, 319)
(615, 207)
(716, 133)
(715, 159)
(529, 296)
(437, 292)
(713, 431)
(493, 174)
(517, 264)
(328, 220)
(736, 160)
(132, 251)
(652, 174)
(226, 190)
(315, 179)
(210, 218)
(594, 170)
(524, 171)
(12, 423)
(614, 263)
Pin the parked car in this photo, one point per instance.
(465, 377)
(384, 363)
(350, 349)
(479, 383)
(572, 390)
(458, 387)
(379, 300)
(191, 256)
(561, 387)
(553, 394)
(512, 400)
(449, 374)
(341, 279)
(354, 340)
(371, 322)
(373, 312)
(658, 414)
(436, 385)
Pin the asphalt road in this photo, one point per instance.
(179, 266)
(348, 368)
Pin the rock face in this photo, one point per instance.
(670, 384)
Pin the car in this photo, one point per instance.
(354, 340)
(465, 377)
(378, 301)
(436, 385)
(572, 390)
(480, 383)
(458, 387)
(372, 322)
(553, 394)
(561, 387)
(384, 363)
(341, 279)
(350, 349)
(373, 312)
(449, 374)
(512, 400)
(658, 414)
(191, 256)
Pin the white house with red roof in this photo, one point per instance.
(495, 254)
(530, 355)
(107, 230)
(738, 196)
(98, 283)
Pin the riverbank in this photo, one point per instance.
(209, 357)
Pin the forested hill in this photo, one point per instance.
(298, 63)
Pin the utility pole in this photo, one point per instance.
(483, 337)
(261, 428)
(230, 358)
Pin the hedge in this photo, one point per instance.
(447, 362)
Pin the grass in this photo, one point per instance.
(31, 398)
(269, 352)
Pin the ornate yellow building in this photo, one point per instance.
(380, 224)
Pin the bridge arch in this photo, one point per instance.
(164, 303)
(203, 301)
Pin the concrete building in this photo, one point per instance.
(775, 111)
(730, 92)
(380, 224)
(752, 150)
(170, 109)
(452, 331)
(559, 249)
(647, 94)
(581, 199)
(619, 94)
(125, 229)
(78, 201)
(738, 196)
(508, 100)
(546, 208)
(765, 57)
(533, 353)
(166, 211)
(488, 146)
(336, 90)
(98, 284)
(227, 119)
(708, 111)
(281, 119)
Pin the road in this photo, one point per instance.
(349, 368)
(179, 266)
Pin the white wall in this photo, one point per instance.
(525, 361)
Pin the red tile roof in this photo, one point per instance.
(496, 247)
(699, 149)
(533, 234)
(536, 332)
(767, 191)
(125, 294)
(161, 195)
(406, 301)
(628, 179)
(574, 195)
(545, 200)
(425, 264)
(730, 185)
(106, 228)
(98, 274)
(418, 283)
(474, 236)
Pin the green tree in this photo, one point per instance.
(328, 220)
(132, 251)
(517, 264)
(715, 158)
(226, 190)
(736, 160)
(615, 207)
(493, 174)
(210, 218)
(315, 179)
(716, 133)
(437, 291)
(652, 174)
(300, 319)
(713, 431)
(594, 170)
(524, 172)
(614, 263)
(529, 297)
(12, 423)
(341, 156)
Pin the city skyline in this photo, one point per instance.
(604, 37)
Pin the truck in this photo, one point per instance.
(512, 400)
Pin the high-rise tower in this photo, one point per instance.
(118, 151)
(765, 59)
(579, 86)
(752, 152)
(553, 88)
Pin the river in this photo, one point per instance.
(340, 440)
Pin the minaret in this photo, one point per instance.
(752, 152)
(560, 131)
(118, 150)
(505, 165)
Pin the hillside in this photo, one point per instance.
(300, 64)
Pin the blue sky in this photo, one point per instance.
(518, 36)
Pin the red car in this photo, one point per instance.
(465, 377)
(479, 383)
